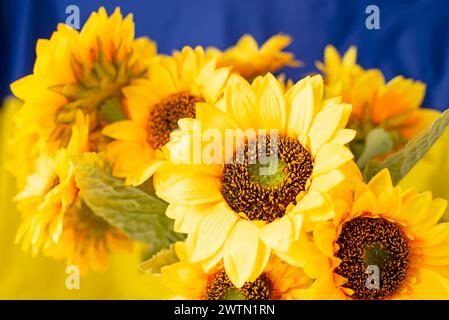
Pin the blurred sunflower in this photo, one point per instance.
(174, 85)
(250, 61)
(23, 144)
(236, 211)
(81, 71)
(51, 189)
(384, 227)
(54, 217)
(393, 105)
(278, 281)
(87, 240)
(23, 276)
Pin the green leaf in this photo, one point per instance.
(140, 215)
(377, 142)
(161, 259)
(111, 111)
(401, 162)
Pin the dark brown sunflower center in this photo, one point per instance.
(165, 115)
(220, 288)
(249, 186)
(375, 257)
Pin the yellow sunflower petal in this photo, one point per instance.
(389, 203)
(176, 185)
(435, 212)
(162, 79)
(415, 209)
(381, 182)
(328, 181)
(299, 251)
(301, 108)
(280, 233)
(350, 56)
(430, 285)
(324, 236)
(271, 105)
(316, 266)
(140, 96)
(245, 253)
(241, 100)
(331, 57)
(185, 279)
(125, 130)
(212, 82)
(186, 217)
(366, 202)
(343, 136)
(248, 43)
(329, 157)
(326, 124)
(324, 288)
(430, 236)
(213, 118)
(438, 250)
(315, 206)
(211, 232)
(425, 118)
(211, 262)
(276, 43)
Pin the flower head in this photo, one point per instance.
(154, 106)
(239, 207)
(55, 217)
(250, 61)
(84, 70)
(279, 281)
(384, 243)
(393, 105)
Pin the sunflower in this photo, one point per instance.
(173, 87)
(85, 71)
(250, 61)
(241, 210)
(87, 240)
(51, 190)
(393, 105)
(278, 281)
(384, 243)
(23, 145)
(54, 216)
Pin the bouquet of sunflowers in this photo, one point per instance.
(242, 185)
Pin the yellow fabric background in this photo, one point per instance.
(25, 277)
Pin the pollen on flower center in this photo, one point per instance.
(219, 287)
(165, 115)
(367, 241)
(266, 196)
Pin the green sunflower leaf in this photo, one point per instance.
(377, 142)
(139, 214)
(161, 259)
(402, 161)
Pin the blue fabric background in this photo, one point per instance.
(413, 39)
